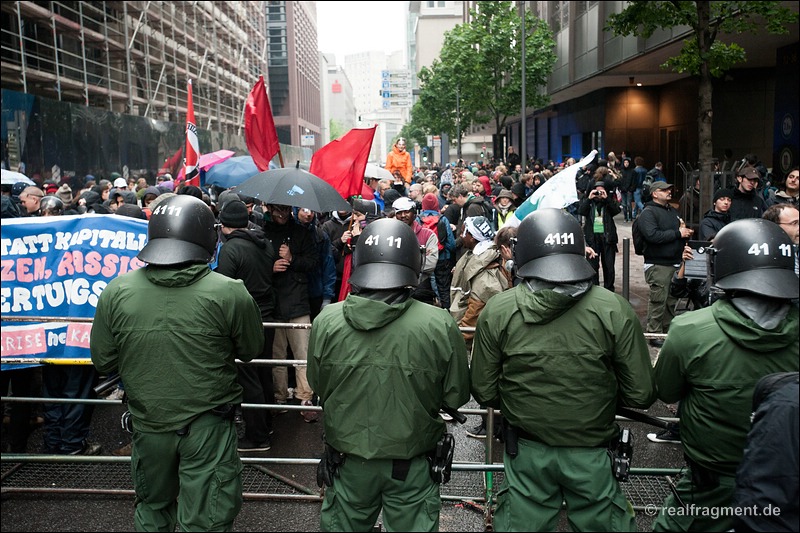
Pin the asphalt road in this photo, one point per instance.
(298, 509)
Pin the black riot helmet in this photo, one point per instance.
(755, 255)
(181, 230)
(387, 256)
(550, 247)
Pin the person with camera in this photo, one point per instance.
(383, 364)
(713, 358)
(598, 209)
(557, 355)
(174, 329)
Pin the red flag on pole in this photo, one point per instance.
(342, 162)
(172, 164)
(259, 127)
(191, 173)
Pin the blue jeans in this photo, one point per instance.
(637, 198)
(66, 425)
(627, 198)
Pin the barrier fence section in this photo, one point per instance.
(110, 475)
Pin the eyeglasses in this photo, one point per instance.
(794, 223)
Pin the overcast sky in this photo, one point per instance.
(351, 27)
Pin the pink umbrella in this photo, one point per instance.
(207, 161)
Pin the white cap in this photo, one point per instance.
(120, 183)
(404, 204)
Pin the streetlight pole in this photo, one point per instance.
(524, 135)
(458, 124)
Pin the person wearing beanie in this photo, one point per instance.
(248, 255)
(120, 183)
(504, 204)
(718, 216)
(430, 202)
(234, 215)
(65, 194)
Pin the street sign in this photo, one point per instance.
(307, 140)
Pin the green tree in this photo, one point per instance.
(478, 76)
(703, 54)
(336, 129)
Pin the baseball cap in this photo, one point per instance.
(404, 204)
(661, 185)
(749, 173)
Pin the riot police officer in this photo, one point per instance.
(713, 357)
(173, 330)
(557, 355)
(383, 364)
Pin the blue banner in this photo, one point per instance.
(57, 267)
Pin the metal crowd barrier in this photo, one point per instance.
(110, 475)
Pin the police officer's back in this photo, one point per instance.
(173, 330)
(383, 364)
(557, 355)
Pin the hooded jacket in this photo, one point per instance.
(248, 255)
(558, 366)
(174, 334)
(711, 361)
(382, 372)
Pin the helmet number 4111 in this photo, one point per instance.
(559, 238)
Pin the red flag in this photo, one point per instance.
(342, 162)
(259, 127)
(171, 164)
(192, 175)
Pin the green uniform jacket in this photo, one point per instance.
(711, 361)
(558, 366)
(174, 335)
(382, 372)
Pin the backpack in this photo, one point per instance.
(639, 243)
(490, 213)
(646, 184)
(435, 224)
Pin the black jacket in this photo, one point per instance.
(747, 205)
(660, 226)
(248, 255)
(711, 224)
(291, 287)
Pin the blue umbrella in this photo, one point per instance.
(231, 172)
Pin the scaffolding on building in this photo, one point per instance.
(135, 58)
